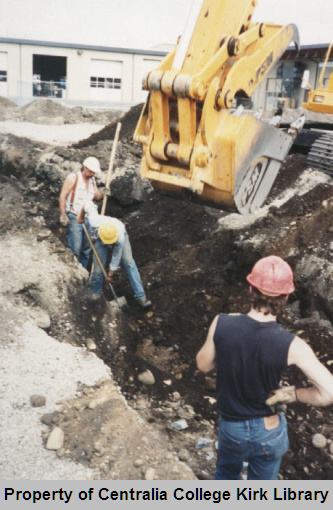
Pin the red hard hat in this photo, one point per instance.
(273, 276)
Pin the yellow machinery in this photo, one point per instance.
(320, 100)
(193, 141)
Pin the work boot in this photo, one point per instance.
(143, 302)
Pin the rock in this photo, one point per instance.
(319, 441)
(43, 234)
(37, 400)
(91, 344)
(146, 378)
(104, 394)
(47, 419)
(179, 425)
(138, 463)
(183, 455)
(40, 317)
(203, 442)
(150, 474)
(56, 439)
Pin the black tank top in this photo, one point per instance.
(250, 359)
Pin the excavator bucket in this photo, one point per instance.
(193, 142)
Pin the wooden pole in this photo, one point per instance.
(108, 176)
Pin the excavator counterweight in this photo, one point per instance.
(193, 141)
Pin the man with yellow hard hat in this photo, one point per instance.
(110, 233)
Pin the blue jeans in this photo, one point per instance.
(96, 281)
(77, 240)
(249, 441)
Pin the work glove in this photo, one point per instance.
(63, 219)
(285, 395)
(107, 192)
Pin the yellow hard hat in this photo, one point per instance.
(108, 232)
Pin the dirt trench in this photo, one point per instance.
(193, 261)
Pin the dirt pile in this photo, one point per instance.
(193, 262)
(46, 111)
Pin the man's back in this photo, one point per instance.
(250, 358)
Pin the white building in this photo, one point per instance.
(76, 74)
(112, 77)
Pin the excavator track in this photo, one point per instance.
(320, 156)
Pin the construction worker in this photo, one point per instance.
(77, 188)
(110, 234)
(250, 353)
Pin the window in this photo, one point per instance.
(3, 75)
(105, 83)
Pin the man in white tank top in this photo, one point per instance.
(77, 188)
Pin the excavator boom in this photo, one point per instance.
(193, 142)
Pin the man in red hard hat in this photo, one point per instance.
(250, 353)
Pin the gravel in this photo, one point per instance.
(38, 364)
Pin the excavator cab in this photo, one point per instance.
(194, 142)
(320, 100)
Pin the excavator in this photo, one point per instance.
(195, 143)
(320, 100)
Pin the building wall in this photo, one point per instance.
(79, 72)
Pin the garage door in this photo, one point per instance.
(3, 74)
(106, 80)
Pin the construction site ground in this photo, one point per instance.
(136, 407)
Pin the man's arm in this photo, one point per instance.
(98, 195)
(301, 355)
(65, 191)
(206, 356)
(117, 252)
(93, 216)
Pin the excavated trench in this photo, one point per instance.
(192, 270)
(193, 262)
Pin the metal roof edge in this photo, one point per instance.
(31, 42)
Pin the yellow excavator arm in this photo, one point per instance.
(193, 142)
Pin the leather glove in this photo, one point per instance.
(284, 395)
(107, 192)
(63, 219)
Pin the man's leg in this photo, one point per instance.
(74, 235)
(132, 270)
(96, 280)
(233, 449)
(269, 446)
(85, 246)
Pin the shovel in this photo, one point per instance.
(103, 269)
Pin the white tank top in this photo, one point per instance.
(81, 194)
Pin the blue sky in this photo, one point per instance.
(143, 23)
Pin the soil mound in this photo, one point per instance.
(128, 124)
(6, 103)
